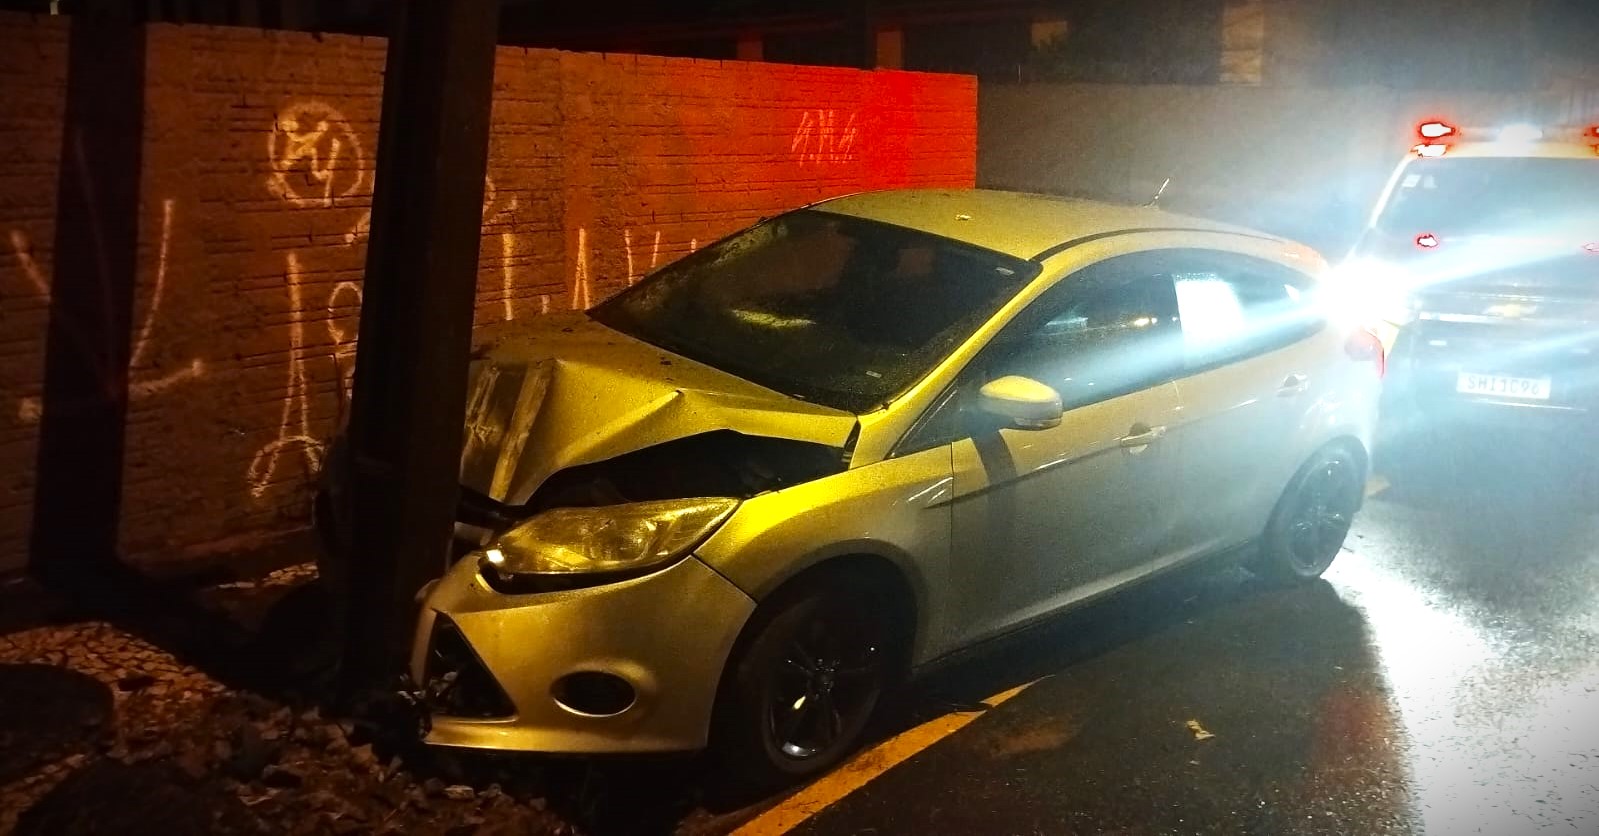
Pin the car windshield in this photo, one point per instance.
(837, 310)
(1512, 196)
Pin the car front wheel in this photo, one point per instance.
(803, 685)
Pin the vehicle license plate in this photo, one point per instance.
(1530, 388)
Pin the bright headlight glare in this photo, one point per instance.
(1367, 289)
(608, 538)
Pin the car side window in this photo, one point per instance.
(940, 424)
(1105, 332)
(1234, 306)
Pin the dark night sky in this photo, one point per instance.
(1491, 44)
(1488, 44)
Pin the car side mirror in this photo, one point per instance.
(1024, 403)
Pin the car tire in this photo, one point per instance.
(801, 686)
(1312, 518)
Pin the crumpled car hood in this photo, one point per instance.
(566, 391)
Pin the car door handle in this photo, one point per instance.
(1141, 435)
(1294, 384)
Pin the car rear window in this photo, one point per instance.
(1482, 195)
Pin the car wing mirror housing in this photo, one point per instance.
(1021, 402)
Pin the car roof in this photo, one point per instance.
(1534, 150)
(1026, 226)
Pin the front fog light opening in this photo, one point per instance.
(456, 683)
(594, 693)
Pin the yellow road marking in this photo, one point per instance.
(1376, 485)
(862, 768)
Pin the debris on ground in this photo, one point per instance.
(102, 731)
(1198, 730)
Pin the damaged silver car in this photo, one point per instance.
(736, 503)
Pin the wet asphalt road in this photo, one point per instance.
(1443, 678)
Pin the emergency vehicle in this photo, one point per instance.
(1480, 267)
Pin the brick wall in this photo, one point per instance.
(258, 159)
(33, 84)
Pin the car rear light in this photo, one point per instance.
(1591, 248)
(1431, 150)
(1364, 346)
(1427, 241)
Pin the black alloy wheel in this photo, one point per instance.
(804, 685)
(827, 681)
(1313, 518)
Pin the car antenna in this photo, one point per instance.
(1158, 192)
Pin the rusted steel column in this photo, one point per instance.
(416, 322)
(77, 499)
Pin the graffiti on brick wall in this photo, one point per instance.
(294, 429)
(633, 273)
(140, 382)
(582, 283)
(296, 438)
(344, 296)
(316, 156)
(495, 212)
(347, 294)
(825, 137)
(316, 160)
(501, 211)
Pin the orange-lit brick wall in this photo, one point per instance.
(33, 84)
(259, 149)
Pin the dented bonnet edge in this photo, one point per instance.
(527, 421)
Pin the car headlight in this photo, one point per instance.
(608, 538)
(1365, 290)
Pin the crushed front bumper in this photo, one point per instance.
(647, 655)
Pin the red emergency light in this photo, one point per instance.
(1438, 137)
(1427, 241)
(1432, 132)
(1436, 130)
